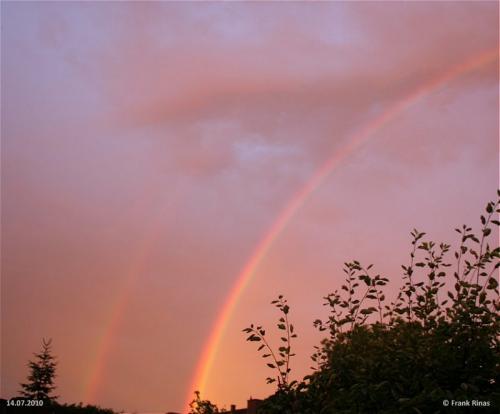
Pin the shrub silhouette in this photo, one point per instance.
(199, 406)
(80, 409)
(280, 359)
(438, 340)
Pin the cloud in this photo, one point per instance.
(201, 121)
(284, 81)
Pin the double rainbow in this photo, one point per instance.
(206, 360)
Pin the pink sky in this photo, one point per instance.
(148, 147)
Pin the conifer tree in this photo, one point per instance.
(40, 383)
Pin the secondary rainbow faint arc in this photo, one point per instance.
(207, 358)
(119, 306)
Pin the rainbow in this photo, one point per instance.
(211, 346)
(203, 368)
(118, 309)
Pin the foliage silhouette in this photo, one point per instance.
(438, 340)
(40, 385)
(81, 409)
(199, 406)
(281, 358)
(37, 392)
(10, 406)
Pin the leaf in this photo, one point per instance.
(367, 311)
(365, 278)
(492, 283)
(253, 338)
(271, 365)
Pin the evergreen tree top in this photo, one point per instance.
(40, 385)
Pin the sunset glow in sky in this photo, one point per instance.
(170, 168)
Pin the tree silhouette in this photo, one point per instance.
(40, 383)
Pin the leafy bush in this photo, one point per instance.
(199, 406)
(438, 340)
